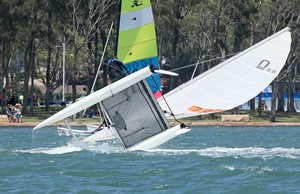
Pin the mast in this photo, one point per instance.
(64, 69)
(118, 27)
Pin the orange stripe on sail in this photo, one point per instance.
(198, 109)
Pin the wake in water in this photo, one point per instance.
(213, 152)
(76, 146)
(58, 150)
(251, 152)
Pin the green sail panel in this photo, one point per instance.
(137, 45)
(137, 37)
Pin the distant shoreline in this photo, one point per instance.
(33, 124)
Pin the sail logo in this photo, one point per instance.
(137, 3)
(198, 109)
(263, 65)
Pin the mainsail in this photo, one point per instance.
(233, 82)
(137, 46)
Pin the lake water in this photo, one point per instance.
(205, 160)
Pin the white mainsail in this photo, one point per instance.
(233, 82)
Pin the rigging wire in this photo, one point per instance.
(186, 66)
(112, 94)
(171, 113)
(176, 69)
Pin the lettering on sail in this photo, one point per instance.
(198, 109)
(264, 65)
(137, 3)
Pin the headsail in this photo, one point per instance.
(233, 82)
(137, 45)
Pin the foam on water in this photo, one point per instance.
(250, 152)
(208, 159)
(249, 169)
(231, 168)
(104, 147)
(56, 150)
(75, 146)
(214, 152)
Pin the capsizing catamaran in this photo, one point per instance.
(137, 48)
(138, 120)
(130, 106)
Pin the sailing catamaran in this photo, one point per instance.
(139, 127)
(137, 48)
(139, 121)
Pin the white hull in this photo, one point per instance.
(91, 127)
(107, 133)
(62, 131)
(104, 134)
(160, 138)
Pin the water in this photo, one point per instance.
(205, 160)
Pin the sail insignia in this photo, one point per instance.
(137, 3)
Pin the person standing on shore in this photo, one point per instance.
(9, 113)
(18, 113)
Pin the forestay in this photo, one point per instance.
(233, 82)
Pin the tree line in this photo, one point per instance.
(33, 34)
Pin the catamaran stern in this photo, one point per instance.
(160, 138)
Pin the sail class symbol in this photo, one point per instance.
(263, 64)
(137, 3)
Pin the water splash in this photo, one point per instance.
(75, 146)
(56, 150)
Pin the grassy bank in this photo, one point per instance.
(40, 114)
(253, 117)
